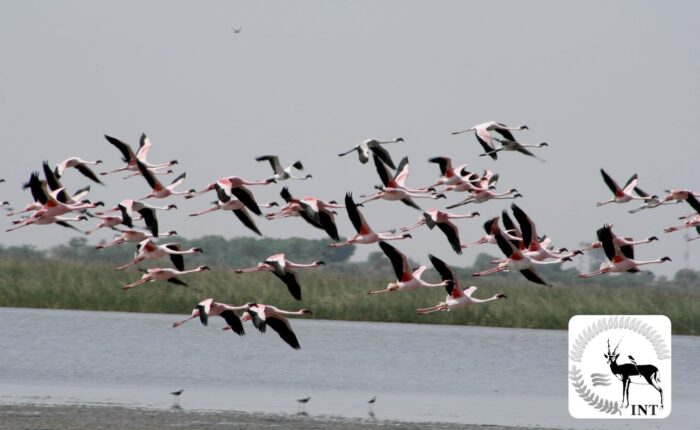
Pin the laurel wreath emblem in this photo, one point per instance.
(593, 330)
(587, 395)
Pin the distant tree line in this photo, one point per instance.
(244, 251)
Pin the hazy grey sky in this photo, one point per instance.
(607, 84)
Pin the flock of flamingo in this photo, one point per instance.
(523, 248)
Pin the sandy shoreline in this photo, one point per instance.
(81, 417)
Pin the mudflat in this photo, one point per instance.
(82, 417)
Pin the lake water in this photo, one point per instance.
(418, 372)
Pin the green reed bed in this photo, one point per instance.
(334, 295)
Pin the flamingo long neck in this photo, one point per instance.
(495, 297)
(261, 182)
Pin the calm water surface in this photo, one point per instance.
(418, 372)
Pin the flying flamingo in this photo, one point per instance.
(512, 145)
(394, 187)
(531, 241)
(133, 236)
(235, 186)
(80, 165)
(364, 235)
(678, 195)
(619, 241)
(621, 257)
(692, 220)
(60, 193)
(107, 222)
(490, 226)
(650, 202)
(473, 183)
(283, 269)
(40, 195)
(486, 195)
(226, 203)
(208, 307)
(483, 135)
(267, 315)
(282, 173)
(434, 217)
(160, 191)
(164, 274)
(232, 181)
(375, 146)
(148, 250)
(621, 195)
(515, 259)
(51, 210)
(457, 298)
(407, 279)
(448, 174)
(130, 158)
(45, 219)
(315, 211)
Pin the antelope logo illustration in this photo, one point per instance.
(642, 357)
(625, 372)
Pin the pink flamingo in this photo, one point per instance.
(208, 307)
(483, 135)
(148, 250)
(485, 195)
(164, 274)
(364, 235)
(516, 260)
(395, 187)
(267, 315)
(363, 150)
(434, 217)
(457, 298)
(407, 279)
(133, 236)
(131, 158)
(160, 191)
(226, 203)
(284, 270)
(621, 195)
(621, 256)
(80, 165)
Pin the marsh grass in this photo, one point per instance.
(332, 294)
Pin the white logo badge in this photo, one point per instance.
(619, 366)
